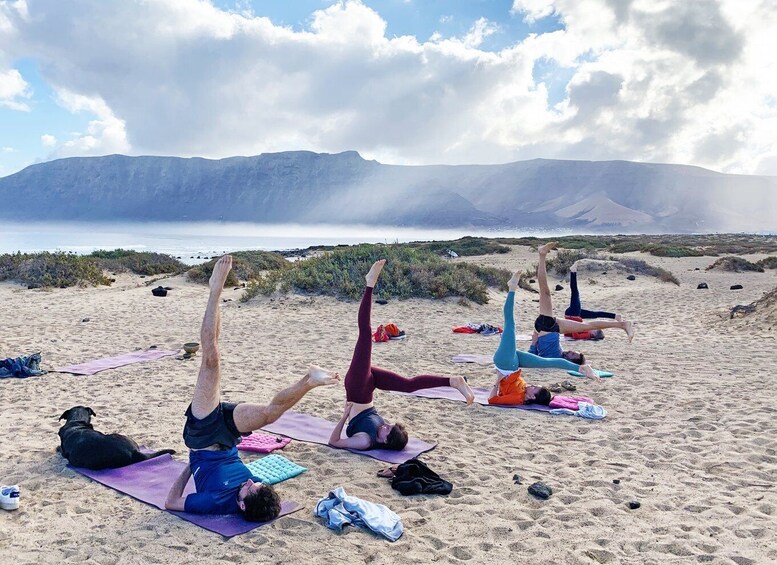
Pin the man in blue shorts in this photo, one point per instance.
(213, 429)
(546, 339)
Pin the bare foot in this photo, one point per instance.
(618, 318)
(629, 327)
(220, 271)
(512, 284)
(544, 249)
(321, 377)
(589, 373)
(461, 385)
(372, 276)
(573, 268)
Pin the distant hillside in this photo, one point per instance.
(300, 186)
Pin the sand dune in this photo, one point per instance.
(691, 431)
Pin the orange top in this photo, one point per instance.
(512, 390)
(577, 335)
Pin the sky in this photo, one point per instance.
(400, 81)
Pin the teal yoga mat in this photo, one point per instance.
(602, 374)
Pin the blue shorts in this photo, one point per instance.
(218, 427)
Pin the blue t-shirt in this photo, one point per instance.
(548, 346)
(217, 477)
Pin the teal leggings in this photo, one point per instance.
(507, 356)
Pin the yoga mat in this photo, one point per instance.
(481, 397)
(479, 359)
(149, 481)
(313, 429)
(262, 443)
(602, 374)
(92, 367)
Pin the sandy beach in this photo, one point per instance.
(691, 431)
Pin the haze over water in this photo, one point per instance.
(188, 240)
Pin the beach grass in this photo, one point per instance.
(138, 262)
(46, 269)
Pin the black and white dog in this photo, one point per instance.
(83, 446)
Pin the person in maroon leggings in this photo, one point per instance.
(367, 429)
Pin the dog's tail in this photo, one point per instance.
(154, 454)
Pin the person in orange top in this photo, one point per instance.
(510, 388)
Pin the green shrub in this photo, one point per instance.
(640, 267)
(735, 264)
(465, 247)
(51, 269)
(410, 272)
(564, 259)
(246, 265)
(672, 251)
(767, 263)
(138, 262)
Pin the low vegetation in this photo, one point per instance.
(767, 263)
(52, 270)
(410, 272)
(640, 267)
(138, 262)
(735, 265)
(246, 265)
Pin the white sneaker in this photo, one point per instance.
(9, 497)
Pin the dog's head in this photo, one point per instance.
(78, 414)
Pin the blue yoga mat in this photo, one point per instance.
(274, 468)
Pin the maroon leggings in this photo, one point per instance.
(362, 378)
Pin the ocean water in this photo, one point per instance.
(194, 241)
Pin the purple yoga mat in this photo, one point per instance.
(150, 481)
(481, 397)
(313, 429)
(92, 367)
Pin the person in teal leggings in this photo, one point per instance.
(507, 357)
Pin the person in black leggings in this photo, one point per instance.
(576, 309)
(367, 429)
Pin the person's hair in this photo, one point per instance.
(397, 438)
(263, 505)
(543, 396)
(575, 357)
(597, 334)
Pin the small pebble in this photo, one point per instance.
(616, 481)
(559, 287)
(517, 479)
(85, 320)
(381, 301)
(702, 285)
(634, 504)
(631, 278)
(736, 287)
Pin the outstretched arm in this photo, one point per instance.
(175, 498)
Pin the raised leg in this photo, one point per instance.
(574, 300)
(528, 360)
(386, 380)
(250, 417)
(359, 380)
(504, 357)
(546, 302)
(570, 326)
(206, 391)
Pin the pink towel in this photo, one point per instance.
(262, 443)
(569, 402)
(92, 367)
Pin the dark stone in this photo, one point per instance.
(540, 490)
(113, 280)
(616, 481)
(736, 287)
(532, 281)
(697, 269)
(631, 278)
(142, 276)
(517, 479)
(381, 301)
(702, 285)
(604, 272)
(559, 287)
(85, 320)
(634, 504)
(159, 291)
(168, 288)
(152, 346)
(33, 285)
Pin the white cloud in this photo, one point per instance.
(13, 88)
(7, 150)
(651, 80)
(48, 140)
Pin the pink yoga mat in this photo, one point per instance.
(149, 481)
(92, 367)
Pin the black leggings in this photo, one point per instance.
(575, 308)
